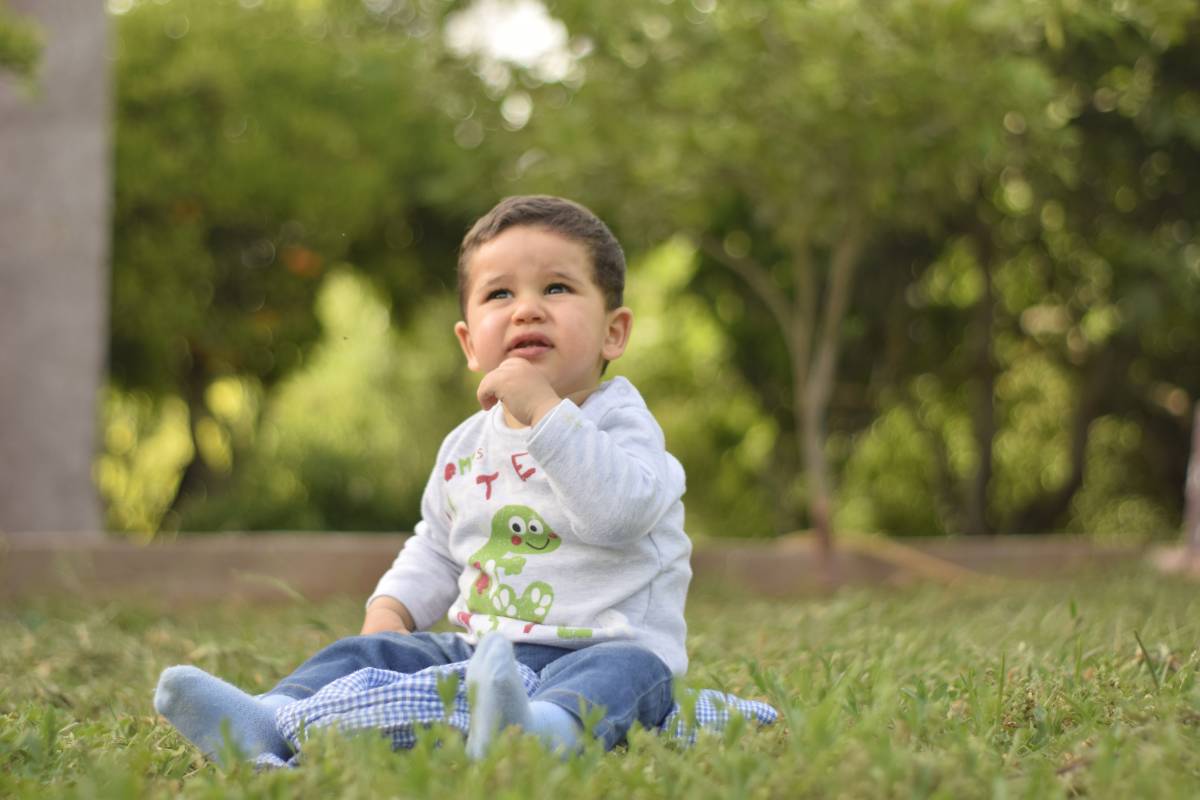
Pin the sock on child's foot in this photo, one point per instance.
(197, 704)
(555, 726)
(498, 697)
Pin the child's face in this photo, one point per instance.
(532, 294)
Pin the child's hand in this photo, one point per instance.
(523, 389)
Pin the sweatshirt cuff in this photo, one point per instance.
(553, 429)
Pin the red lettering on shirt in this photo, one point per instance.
(487, 479)
(517, 465)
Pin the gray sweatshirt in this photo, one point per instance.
(569, 533)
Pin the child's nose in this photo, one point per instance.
(528, 308)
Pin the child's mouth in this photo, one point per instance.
(530, 348)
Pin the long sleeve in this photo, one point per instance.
(613, 477)
(424, 575)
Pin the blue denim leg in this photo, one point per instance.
(538, 656)
(629, 682)
(393, 651)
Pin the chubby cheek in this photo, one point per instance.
(487, 337)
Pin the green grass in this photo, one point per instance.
(1003, 691)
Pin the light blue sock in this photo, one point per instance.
(498, 697)
(499, 700)
(197, 704)
(555, 726)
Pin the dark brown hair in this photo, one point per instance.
(558, 215)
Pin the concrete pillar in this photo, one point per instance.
(55, 190)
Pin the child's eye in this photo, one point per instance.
(557, 288)
(498, 294)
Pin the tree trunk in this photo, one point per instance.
(812, 383)
(1191, 493)
(54, 226)
(983, 389)
(1043, 513)
(819, 386)
(198, 479)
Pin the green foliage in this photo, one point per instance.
(1031, 450)
(1118, 502)
(902, 473)
(146, 446)
(826, 111)
(20, 43)
(348, 441)
(891, 476)
(1082, 687)
(1021, 176)
(257, 146)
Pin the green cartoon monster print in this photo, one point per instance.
(516, 530)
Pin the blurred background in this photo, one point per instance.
(917, 267)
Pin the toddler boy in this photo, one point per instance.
(552, 524)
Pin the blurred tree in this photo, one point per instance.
(384, 397)
(1118, 223)
(1074, 272)
(958, 237)
(258, 145)
(793, 143)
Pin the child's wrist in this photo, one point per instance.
(390, 611)
(384, 619)
(543, 409)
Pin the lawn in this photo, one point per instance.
(1086, 687)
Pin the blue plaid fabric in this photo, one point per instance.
(398, 705)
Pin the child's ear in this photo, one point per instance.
(464, 341)
(616, 337)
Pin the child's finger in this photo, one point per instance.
(486, 393)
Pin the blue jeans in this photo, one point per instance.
(628, 682)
